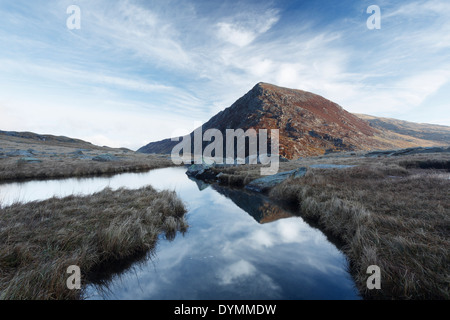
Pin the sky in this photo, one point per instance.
(140, 71)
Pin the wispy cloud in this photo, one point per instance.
(176, 62)
(242, 30)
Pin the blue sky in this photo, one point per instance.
(139, 71)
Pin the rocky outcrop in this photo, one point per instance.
(21, 153)
(29, 160)
(266, 183)
(201, 172)
(105, 158)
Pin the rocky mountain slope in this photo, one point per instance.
(309, 125)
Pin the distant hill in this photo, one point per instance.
(431, 132)
(50, 140)
(309, 124)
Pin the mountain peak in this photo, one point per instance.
(264, 86)
(308, 124)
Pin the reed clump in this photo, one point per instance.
(40, 240)
(384, 216)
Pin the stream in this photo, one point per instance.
(239, 245)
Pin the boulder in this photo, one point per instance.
(29, 160)
(105, 158)
(201, 171)
(76, 153)
(196, 169)
(19, 153)
(266, 183)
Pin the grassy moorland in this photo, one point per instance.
(27, 157)
(15, 169)
(393, 212)
(40, 240)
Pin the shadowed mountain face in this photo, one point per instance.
(308, 124)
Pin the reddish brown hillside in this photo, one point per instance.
(308, 124)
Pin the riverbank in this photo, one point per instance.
(399, 223)
(390, 211)
(40, 240)
(393, 212)
(23, 158)
(68, 166)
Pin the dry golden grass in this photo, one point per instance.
(39, 240)
(13, 169)
(393, 212)
(386, 216)
(239, 176)
(68, 159)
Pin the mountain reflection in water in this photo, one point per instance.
(238, 245)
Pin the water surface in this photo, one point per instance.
(238, 246)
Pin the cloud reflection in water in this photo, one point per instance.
(228, 254)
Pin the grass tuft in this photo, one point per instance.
(393, 212)
(400, 223)
(39, 240)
